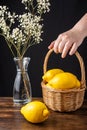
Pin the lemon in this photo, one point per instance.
(35, 112)
(64, 80)
(50, 74)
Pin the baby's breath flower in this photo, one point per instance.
(29, 28)
(43, 6)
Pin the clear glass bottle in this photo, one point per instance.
(22, 93)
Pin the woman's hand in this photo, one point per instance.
(69, 41)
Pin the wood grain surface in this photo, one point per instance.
(11, 118)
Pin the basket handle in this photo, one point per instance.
(80, 59)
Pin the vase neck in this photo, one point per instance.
(22, 64)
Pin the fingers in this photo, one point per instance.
(73, 49)
(56, 45)
(67, 42)
(63, 47)
(51, 45)
(67, 47)
(64, 42)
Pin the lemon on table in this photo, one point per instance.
(35, 112)
(64, 80)
(50, 74)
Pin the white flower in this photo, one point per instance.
(29, 28)
(43, 6)
(4, 28)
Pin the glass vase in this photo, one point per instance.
(22, 87)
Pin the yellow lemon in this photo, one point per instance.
(64, 81)
(50, 74)
(35, 112)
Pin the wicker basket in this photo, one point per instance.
(64, 100)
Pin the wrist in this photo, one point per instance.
(81, 26)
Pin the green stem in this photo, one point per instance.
(23, 74)
(25, 44)
(10, 47)
(27, 48)
(18, 52)
(9, 41)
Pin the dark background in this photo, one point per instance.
(63, 15)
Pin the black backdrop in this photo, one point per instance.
(63, 15)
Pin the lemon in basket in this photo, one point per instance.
(50, 74)
(64, 80)
(35, 112)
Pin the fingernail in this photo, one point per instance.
(63, 56)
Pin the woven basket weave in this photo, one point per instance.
(64, 100)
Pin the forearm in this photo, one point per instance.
(81, 26)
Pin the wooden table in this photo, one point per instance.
(11, 118)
